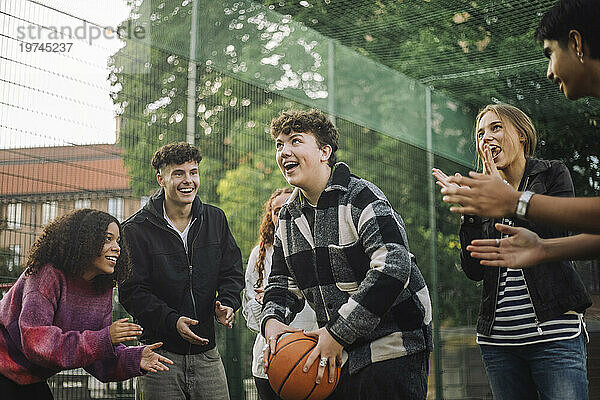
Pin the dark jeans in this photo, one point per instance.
(10, 390)
(551, 370)
(265, 391)
(403, 378)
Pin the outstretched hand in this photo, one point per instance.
(442, 178)
(224, 314)
(183, 327)
(122, 331)
(153, 362)
(522, 249)
(486, 195)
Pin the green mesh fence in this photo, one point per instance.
(78, 129)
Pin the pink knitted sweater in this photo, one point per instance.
(50, 322)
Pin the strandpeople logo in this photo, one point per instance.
(86, 32)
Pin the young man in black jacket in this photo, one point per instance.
(186, 271)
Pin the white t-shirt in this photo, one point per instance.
(305, 319)
(184, 234)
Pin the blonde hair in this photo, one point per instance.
(518, 119)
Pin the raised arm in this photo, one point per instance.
(524, 248)
(489, 196)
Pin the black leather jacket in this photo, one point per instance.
(554, 287)
(167, 283)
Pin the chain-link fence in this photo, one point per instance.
(89, 92)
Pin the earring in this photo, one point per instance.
(580, 56)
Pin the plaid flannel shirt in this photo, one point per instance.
(354, 269)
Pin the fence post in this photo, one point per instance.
(437, 361)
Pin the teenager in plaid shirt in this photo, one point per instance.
(340, 246)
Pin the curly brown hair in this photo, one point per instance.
(71, 243)
(175, 153)
(266, 233)
(313, 121)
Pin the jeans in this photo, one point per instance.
(403, 378)
(551, 370)
(265, 392)
(192, 376)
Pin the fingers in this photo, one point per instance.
(268, 349)
(495, 263)
(165, 360)
(272, 342)
(324, 362)
(488, 256)
(154, 345)
(122, 331)
(331, 374)
(312, 357)
(507, 229)
(193, 338)
(189, 321)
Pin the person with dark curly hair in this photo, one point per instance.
(186, 272)
(58, 314)
(257, 273)
(340, 247)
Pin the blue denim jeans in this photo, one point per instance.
(552, 370)
(192, 376)
(403, 378)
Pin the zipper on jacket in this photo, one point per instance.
(537, 322)
(188, 255)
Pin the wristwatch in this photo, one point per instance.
(523, 204)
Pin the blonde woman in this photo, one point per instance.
(530, 326)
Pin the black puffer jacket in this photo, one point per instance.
(555, 287)
(166, 283)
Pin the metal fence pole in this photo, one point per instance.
(437, 361)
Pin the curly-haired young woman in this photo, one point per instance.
(58, 315)
(257, 273)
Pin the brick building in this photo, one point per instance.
(40, 183)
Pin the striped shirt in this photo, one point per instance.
(515, 321)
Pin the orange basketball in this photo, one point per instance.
(285, 370)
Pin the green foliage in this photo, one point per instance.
(231, 116)
(242, 193)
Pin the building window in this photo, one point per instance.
(83, 203)
(144, 200)
(115, 208)
(13, 216)
(14, 259)
(49, 211)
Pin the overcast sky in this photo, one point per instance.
(57, 98)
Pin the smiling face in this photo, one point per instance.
(106, 262)
(502, 137)
(301, 160)
(566, 70)
(180, 182)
